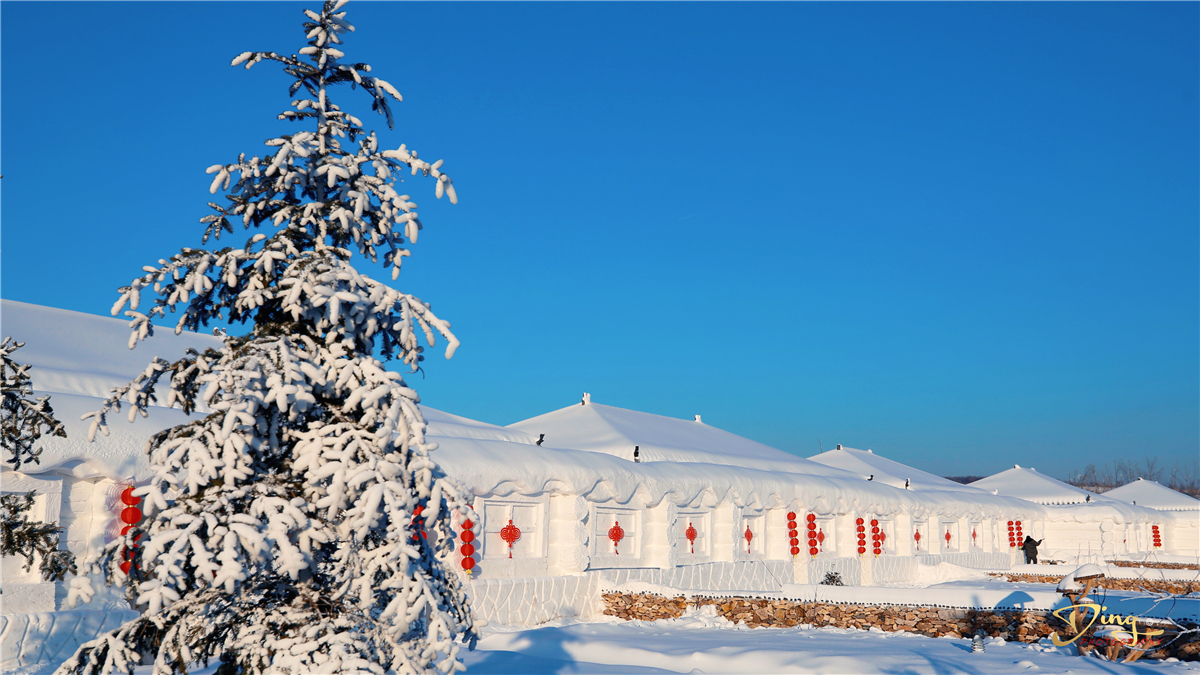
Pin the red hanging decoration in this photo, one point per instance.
(510, 533)
(690, 533)
(861, 530)
(616, 534)
(749, 535)
(947, 537)
(917, 538)
(468, 549)
(128, 499)
(131, 515)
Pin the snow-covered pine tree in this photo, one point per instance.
(300, 525)
(24, 419)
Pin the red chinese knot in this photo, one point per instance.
(690, 533)
(616, 534)
(510, 534)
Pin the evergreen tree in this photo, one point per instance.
(19, 537)
(300, 525)
(23, 417)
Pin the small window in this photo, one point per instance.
(948, 536)
(817, 537)
(511, 530)
(754, 535)
(617, 534)
(691, 534)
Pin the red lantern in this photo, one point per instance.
(812, 541)
(690, 533)
(128, 499)
(796, 550)
(126, 566)
(812, 518)
(467, 536)
(467, 550)
(947, 537)
(874, 523)
(749, 535)
(616, 534)
(875, 530)
(510, 534)
(792, 515)
(467, 525)
(862, 550)
(468, 564)
(1010, 523)
(812, 550)
(877, 551)
(821, 536)
(131, 516)
(858, 522)
(794, 541)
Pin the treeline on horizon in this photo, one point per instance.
(1183, 477)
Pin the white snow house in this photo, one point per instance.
(701, 509)
(1082, 525)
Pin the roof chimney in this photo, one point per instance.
(839, 447)
(587, 398)
(698, 419)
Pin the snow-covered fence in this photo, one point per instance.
(51, 637)
(535, 600)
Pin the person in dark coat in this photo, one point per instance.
(1030, 549)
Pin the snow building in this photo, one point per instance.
(1083, 525)
(701, 510)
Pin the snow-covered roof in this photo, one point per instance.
(594, 427)
(77, 359)
(866, 463)
(1150, 494)
(1070, 502)
(1027, 483)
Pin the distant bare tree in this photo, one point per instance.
(1117, 473)
(1185, 477)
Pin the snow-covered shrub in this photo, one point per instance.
(23, 418)
(300, 525)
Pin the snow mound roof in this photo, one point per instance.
(77, 359)
(1030, 485)
(1150, 494)
(445, 425)
(867, 463)
(594, 427)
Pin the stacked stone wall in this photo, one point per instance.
(1149, 585)
(1015, 626)
(1155, 565)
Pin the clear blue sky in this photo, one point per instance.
(963, 235)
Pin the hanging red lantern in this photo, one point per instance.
(467, 550)
(128, 499)
(749, 535)
(691, 533)
(821, 536)
(812, 550)
(510, 534)
(874, 523)
(468, 564)
(858, 522)
(795, 550)
(794, 541)
(616, 534)
(947, 537)
(812, 518)
(467, 536)
(131, 515)
(791, 515)
(862, 550)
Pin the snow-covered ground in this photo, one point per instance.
(701, 642)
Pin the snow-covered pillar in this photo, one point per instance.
(567, 552)
(724, 535)
(656, 523)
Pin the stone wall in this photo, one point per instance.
(1155, 565)
(1022, 626)
(1151, 585)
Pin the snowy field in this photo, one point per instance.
(702, 642)
(705, 643)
